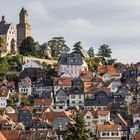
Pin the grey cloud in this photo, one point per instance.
(94, 22)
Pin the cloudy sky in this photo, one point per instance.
(93, 22)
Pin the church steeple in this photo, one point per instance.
(3, 19)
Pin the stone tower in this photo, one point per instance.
(23, 28)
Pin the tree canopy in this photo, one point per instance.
(91, 52)
(28, 47)
(78, 130)
(58, 46)
(77, 46)
(104, 51)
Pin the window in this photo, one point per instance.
(80, 102)
(103, 134)
(73, 102)
(73, 96)
(88, 117)
(60, 107)
(59, 82)
(79, 96)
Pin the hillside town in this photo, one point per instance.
(51, 93)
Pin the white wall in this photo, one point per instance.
(31, 64)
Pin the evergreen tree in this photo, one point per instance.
(77, 46)
(77, 131)
(58, 46)
(104, 51)
(91, 52)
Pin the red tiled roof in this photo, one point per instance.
(86, 74)
(28, 80)
(110, 70)
(43, 102)
(2, 137)
(4, 92)
(15, 95)
(108, 127)
(11, 135)
(8, 84)
(51, 116)
(136, 109)
(103, 112)
(62, 81)
(30, 108)
(107, 90)
(136, 137)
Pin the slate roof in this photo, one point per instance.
(4, 27)
(76, 90)
(46, 82)
(33, 73)
(46, 95)
(71, 59)
(61, 92)
(101, 99)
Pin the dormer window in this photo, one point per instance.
(60, 82)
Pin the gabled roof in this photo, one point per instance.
(33, 73)
(51, 116)
(76, 90)
(26, 79)
(86, 75)
(62, 81)
(61, 92)
(109, 70)
(29, 108)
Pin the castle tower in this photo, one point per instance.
(23, 28)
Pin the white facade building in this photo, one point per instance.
(72, 64)
(4, 95)
(25, 86)
(31, 64)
